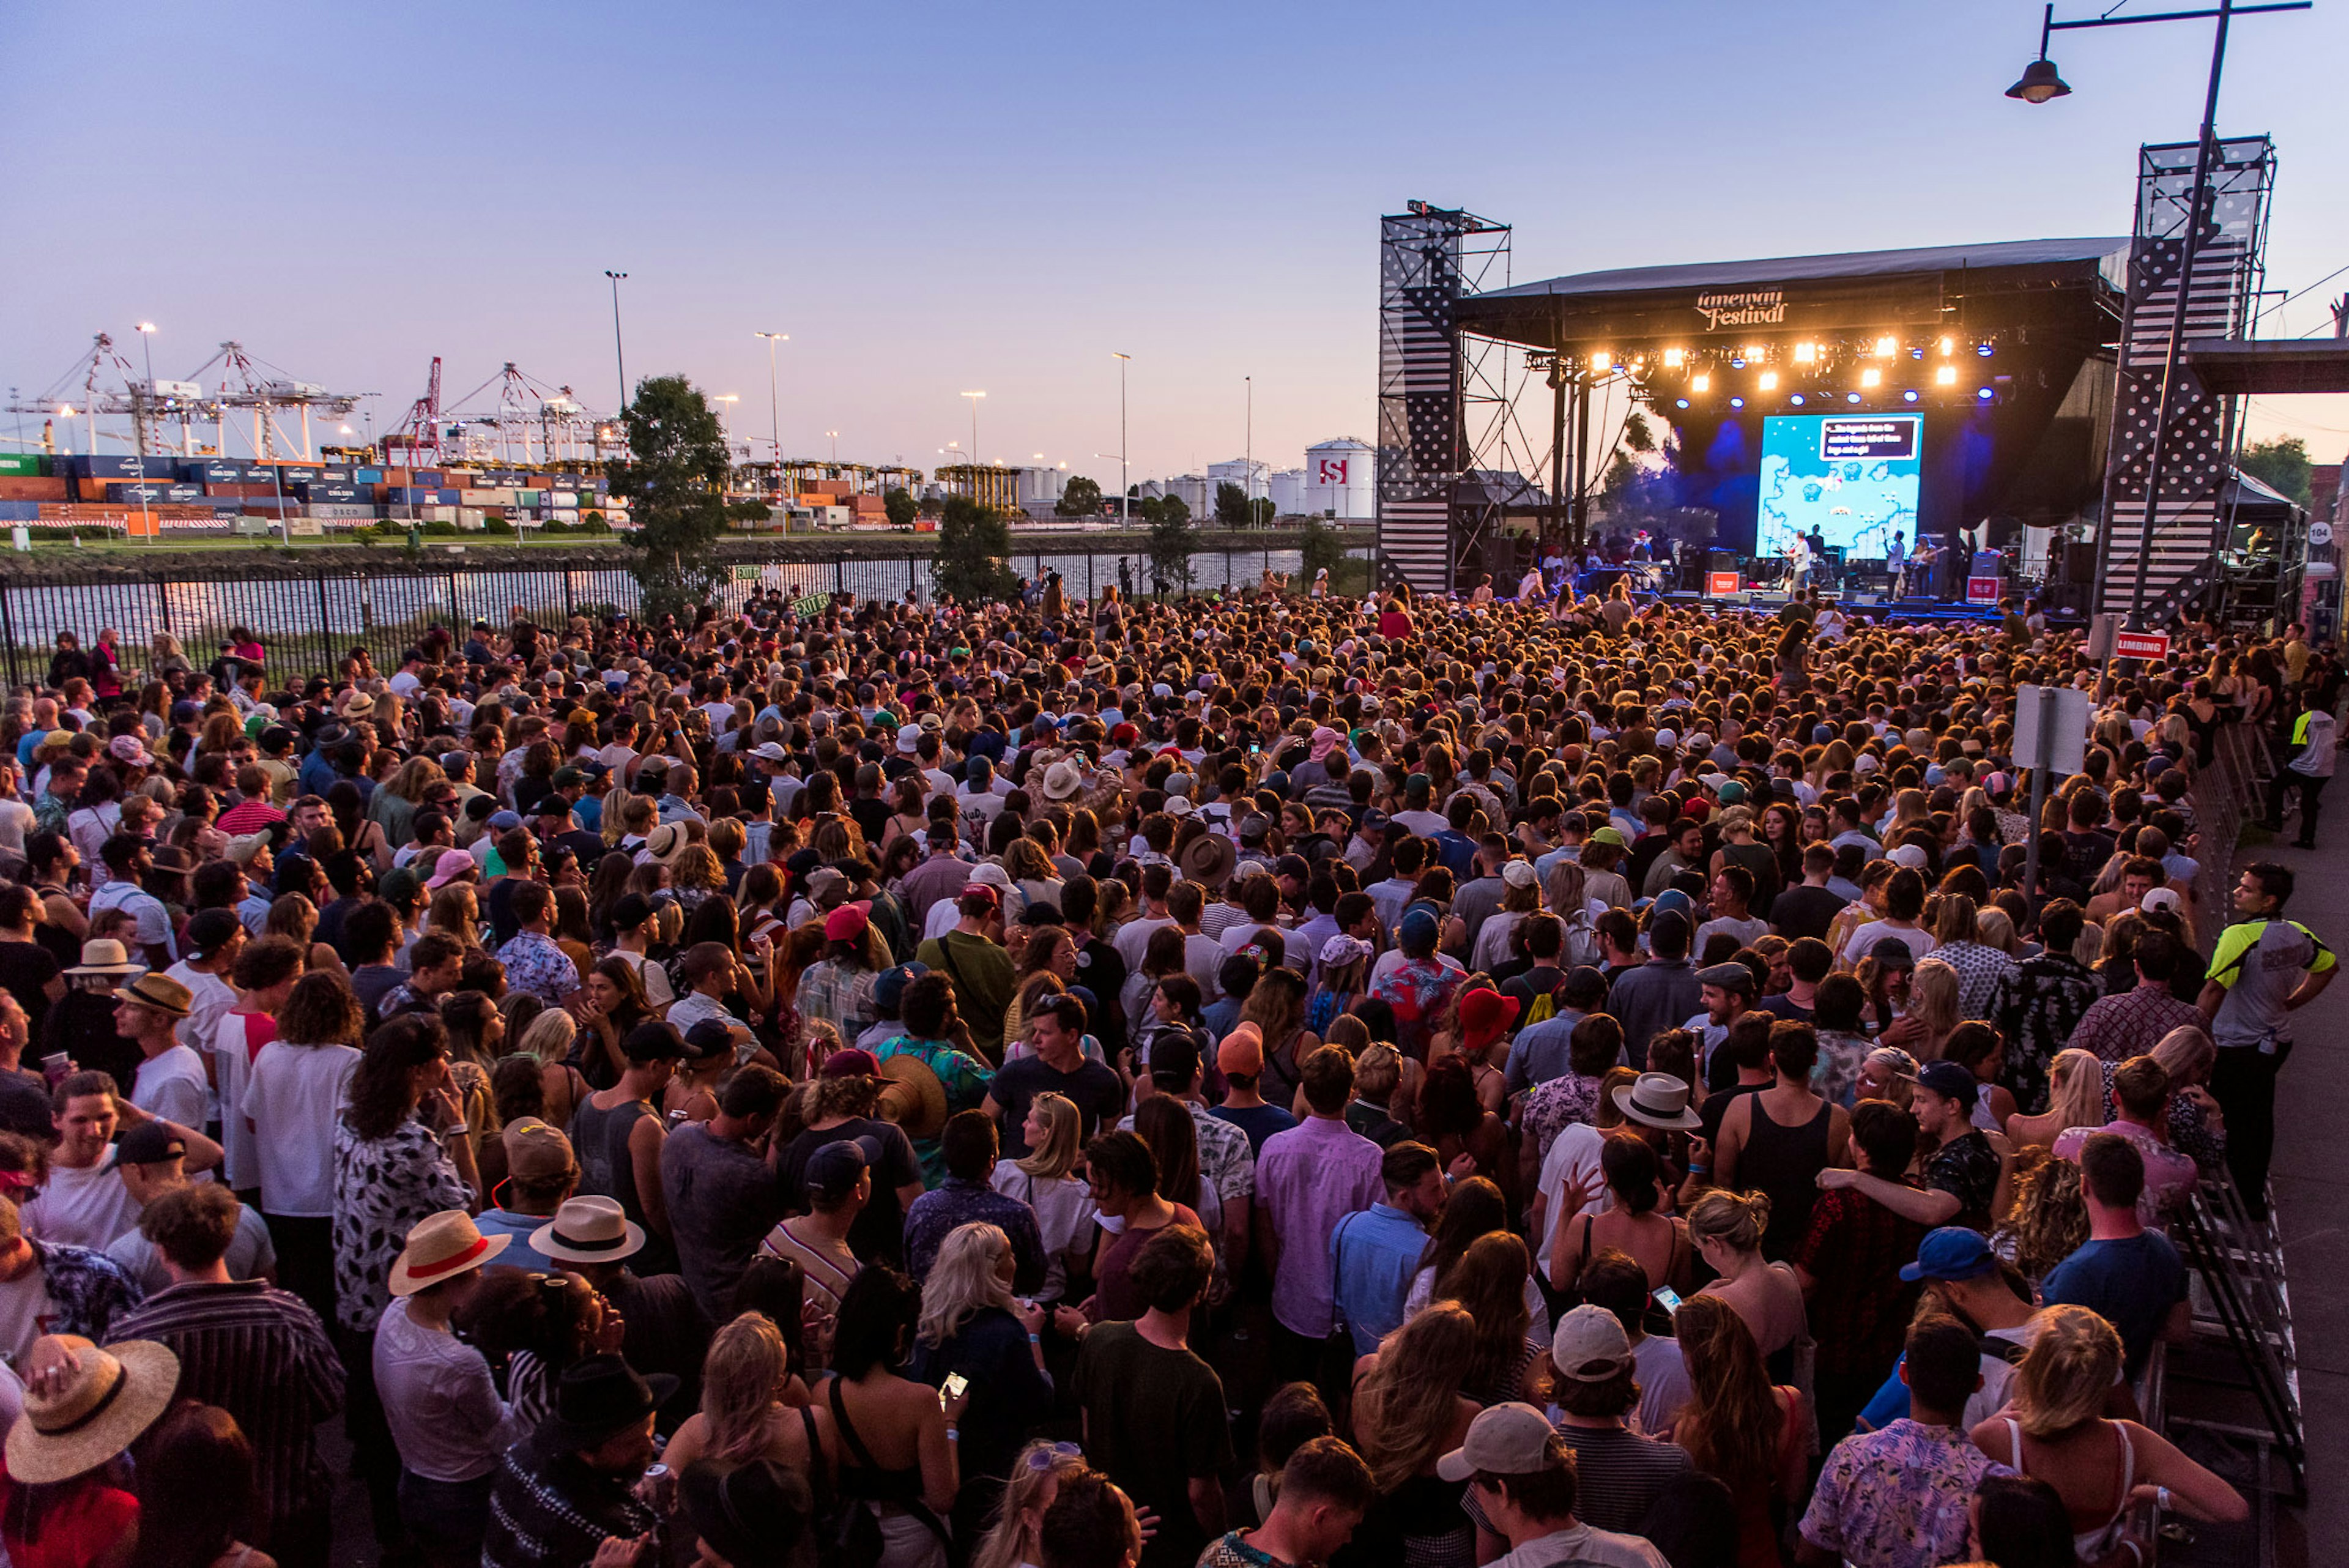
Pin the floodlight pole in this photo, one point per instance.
(618, 353)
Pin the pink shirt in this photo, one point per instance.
(1308, 1179)
(2169, 1176)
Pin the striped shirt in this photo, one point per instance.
(261, 1354)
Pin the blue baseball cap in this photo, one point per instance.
(1951, 1253)
(1417, 929)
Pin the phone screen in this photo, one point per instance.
(952, 1388)
(1669, 1299)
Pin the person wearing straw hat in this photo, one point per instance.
(84, 1407)
(171, 1082)
(564, 1494)
(446, 1418)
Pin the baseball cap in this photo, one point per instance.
(889, 989)
(1613, 835)
(1242, 1052)
(1950, 1081)
(149, 1143)
(846, 923)
(209, 931)
(832, 1169)
(853, 1063)
(1951, 1253)
(1589, 1345)
(1509, 1440)
(504, 821)
(631, 910)
(1417, 928)
(1520, 874)
(1893, 953)
(1911, 855)
(653, 1040)
(536, 1148)
(708, 1040)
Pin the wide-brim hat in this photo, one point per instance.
(1209, 858)
(590, 1229)
(1658, 1100)
(912, 1096)
(104, 955)
(601, 1394)
(113, 1396)
(1064, 779)
(441, 1247)
(160, 991)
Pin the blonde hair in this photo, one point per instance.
(1736, 1220)
(2067, 1372)
(549, 1036)
(1994, 927)
(2184, 1053)
(1410, 1393)
(1933, 1002)
(963, 1281)
(745, 1367)
(1063, 1125)
(1039, 1465)
(2076, 1088)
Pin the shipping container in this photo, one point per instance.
(25, 488)
(370, 475)
(335, 472)
(212, 470)
(22, 464)
(20, 511)
(322, 489)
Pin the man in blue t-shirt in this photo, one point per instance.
(2128, 1275)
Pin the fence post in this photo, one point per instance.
(456, 613)
(162, 604)
(8, 630)
(909, 573)
(1089, 575)
(326, 628)
(839, 575)
(568, 611)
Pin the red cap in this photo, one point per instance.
(847, 923)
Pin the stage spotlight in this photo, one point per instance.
(1908, 397)
(1871, 377)
(1945, 345)
(1769, 382)
(1699, 382)
(1674, 357)
(1984, 349)
(1885, 347)
(1737, 364)
(1806, 353)
(1737, 402)
(1680, 402)
(1757, 351)
(1947, 376)
(1851, 397)
(1601, 360)
(1985, 394)
(1796, 400)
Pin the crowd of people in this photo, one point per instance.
(1260, 1081)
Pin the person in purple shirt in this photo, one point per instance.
(1307, 1180)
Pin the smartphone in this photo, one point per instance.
(952, 1389)
(1669, 1299)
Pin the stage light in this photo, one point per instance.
(1796, 400)
(1851, 397)
(1674, 359)
(1945, 345)
(1699, 382)
(1871, 377)
(1737, 402)
(1885, 347)
(1947, 376)
(1769, 382)
(1916, 353)
(1984, 349)
(1737, 364)
(1908, 397)
(1806, 353)
(1601, 360)
(1985, 394)
(1680, 402)
(1757, 351)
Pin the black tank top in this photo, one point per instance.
(1782, 1163)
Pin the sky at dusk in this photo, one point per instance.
(934, 199)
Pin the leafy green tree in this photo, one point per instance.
(1151, 507)
(2282, 465)
(1323, 548)
(1263, 511)
(675, 479)
(973, 562)
(1171, 540)
(1081, 498)
(1231, 505)
(901, 507)
(1174, 506)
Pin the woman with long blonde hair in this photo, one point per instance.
(2048, 1220)
(743, 1415)
(1489, 1281)
(1737, 1425)
(1409, 1413)
(1036, 1476)
(970, 1325)
(2075, 1098)
(1045, 1181)
(2054, 1430)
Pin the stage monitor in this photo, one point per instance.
(1853, 477)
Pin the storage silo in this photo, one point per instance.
(1341, 479)
(1288, 491)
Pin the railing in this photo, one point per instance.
(311, 618)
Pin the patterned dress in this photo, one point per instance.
(383, 1186)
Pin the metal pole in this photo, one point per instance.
(1581, 505)
(1557, 441)
(2038, 794)
(1248, 450)
(619, 354)
(2187, 252)
(1124, 484)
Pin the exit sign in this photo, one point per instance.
(2141, 645)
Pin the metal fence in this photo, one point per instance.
(310, 620)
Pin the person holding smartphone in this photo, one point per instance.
(983, 1348)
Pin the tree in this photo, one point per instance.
(1171, 540)
(675, 478)
(2282, 465)
(974, 550)
(901, 507)
(1081, 498)
(1231, 505)
(1174, 506)
(1323, 548)
(1262, 512)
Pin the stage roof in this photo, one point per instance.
(2268, 367)
(1803, 269)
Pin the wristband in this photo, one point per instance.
(1700, 1170)
(954, 1435)
(1035, 1339)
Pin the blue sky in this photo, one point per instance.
(931, 199)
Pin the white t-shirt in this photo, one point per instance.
(82, 1207)
(16, 821)
(1920, 942)
(658, 992)
(1575, 1153)
(1586, 1544)
(26, 1312)
(291, 1096)
(172, 1085)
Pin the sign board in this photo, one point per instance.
(1983, 590)
(2141, 645)
(2320, 532)
(2101, 633)
(2051, 728)
(1718, 585)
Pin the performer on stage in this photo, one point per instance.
(1800, 561)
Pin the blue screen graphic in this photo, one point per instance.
(1853, 477)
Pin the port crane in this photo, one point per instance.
(110, 387)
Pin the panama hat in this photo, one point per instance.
(1658, 1100)
(106, 1400)
(912, 1096)
(441, 1247)
(160, 991)
(104, 955)
(1064, 779)
(588, 1230)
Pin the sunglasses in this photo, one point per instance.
(1044, 1456)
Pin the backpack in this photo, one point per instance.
(1580, 948)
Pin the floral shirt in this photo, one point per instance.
(537, 967)
(2036, 1008)
(1836, 1075)
(383, 1186)
(2115, 1028)
(87, 1290)
(1897, 1499)
(1966, 1168)
(1417, 989)
(840, 994)
(1980, 969)
(1557, 1104)
(965, 1078)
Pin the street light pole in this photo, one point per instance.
(1248, 450)
(618, 353)
(774, 421)
(974, 398)
(2040, 84)
(1124, 486)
